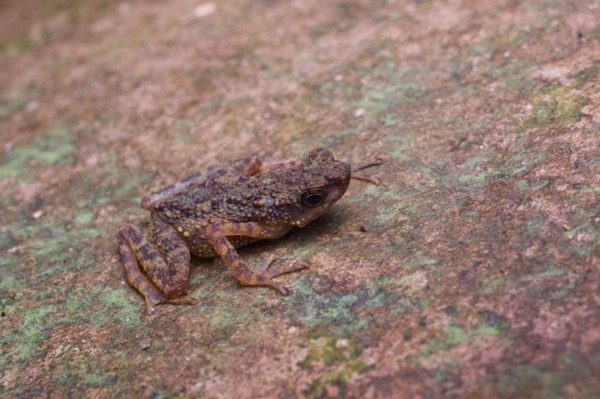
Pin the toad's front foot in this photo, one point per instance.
(268, 273)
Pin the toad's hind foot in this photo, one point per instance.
(157, 298)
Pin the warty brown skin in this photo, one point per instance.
(227, 207)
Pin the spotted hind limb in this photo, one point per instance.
(134, 248)
(217, 236)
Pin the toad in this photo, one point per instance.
(228, 206)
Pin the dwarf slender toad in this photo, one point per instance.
(229, 206)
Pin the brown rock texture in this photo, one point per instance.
(471, 272)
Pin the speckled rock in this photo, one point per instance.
(472, 271)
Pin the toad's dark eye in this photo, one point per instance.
(311, 198)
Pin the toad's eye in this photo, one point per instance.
(312, 198)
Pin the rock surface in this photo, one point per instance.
(472, 271)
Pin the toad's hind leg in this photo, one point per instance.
(136, 278)
(157, 285)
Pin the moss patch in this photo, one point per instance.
(33, 328)
(343, 354)
(54, 148)
(561, 104)
(100, 306)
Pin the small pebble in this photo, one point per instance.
(205, 10)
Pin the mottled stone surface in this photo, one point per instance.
(473, 271)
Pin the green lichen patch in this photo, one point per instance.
(32, 329)
(489, 323)
(6, 264)
(421, 262)
(229, 305)
(493, 286)
(8, 281)
(330, 350)
(587, 75)
(556, 104)
(100, 306)
(477, 172)
(522, 379)
(82, 378)
(109, 186)
(537, 186)
(94, 380)
(226, 317)
(582, 239)
(84, 217)
(551, 272)
(58, 247)
(7, 107)
(455, 335)
(593, 35)
(411, 283)
(322, 311)
(390, 87)
(338, 378)
(341, 353)
(492, 323)
(51, 252)
(561, 104)
(325, 311)
(53, 148)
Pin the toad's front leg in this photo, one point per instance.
(164, 258)
(217, 236)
